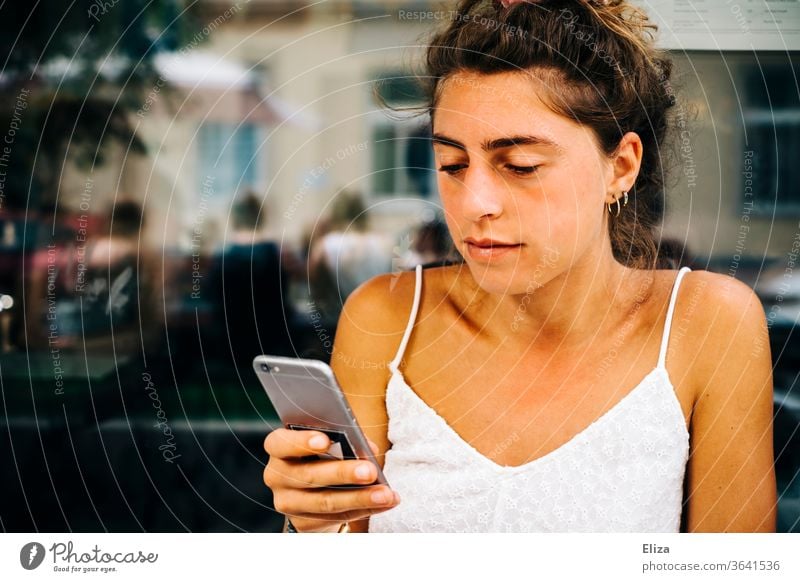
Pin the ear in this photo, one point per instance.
(625, 164)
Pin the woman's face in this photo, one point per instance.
(514, 173)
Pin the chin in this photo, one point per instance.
(510, 280)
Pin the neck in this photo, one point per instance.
(570, 310)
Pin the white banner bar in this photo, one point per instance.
(300, 557)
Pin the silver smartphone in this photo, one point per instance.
(306, 396)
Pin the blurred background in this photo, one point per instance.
(185, 184)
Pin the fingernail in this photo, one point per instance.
(363, 472)
(379, 497)
(318, 442)
(396, 497)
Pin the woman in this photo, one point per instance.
(557, 380)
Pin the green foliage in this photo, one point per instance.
(88, 65)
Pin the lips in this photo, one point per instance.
(489, 250)
(486, 243)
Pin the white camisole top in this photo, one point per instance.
(623, 473)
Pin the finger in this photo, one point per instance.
(324, 503)
(310, 474)
(315, 474)
(284, 443)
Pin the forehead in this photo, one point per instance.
(499, 103)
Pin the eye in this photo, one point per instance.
(522, 170)
(452, 169)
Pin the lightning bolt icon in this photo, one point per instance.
(34, 551)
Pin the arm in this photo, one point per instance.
(730, 475)
(367, 337)
(303, 488)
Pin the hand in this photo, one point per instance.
(301, 486)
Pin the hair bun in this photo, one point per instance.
(510, 3)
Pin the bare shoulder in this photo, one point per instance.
(724, 287)
(731, 481)
(726, 313)
(378, 309)
(718, 328)
(374, 318)
(368, 335)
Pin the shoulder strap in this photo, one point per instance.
(418, 286)
(662, 356)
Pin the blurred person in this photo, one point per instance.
(51, 305)
(557, 380)
(120, 281)
(346, 256)
(249, 287)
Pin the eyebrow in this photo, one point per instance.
(497, 144)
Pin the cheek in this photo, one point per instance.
(445, 189)
(564, 227)
(574, 203)
(451, 219)
(553, 216)
(451, 206)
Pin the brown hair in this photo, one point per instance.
(601, 69)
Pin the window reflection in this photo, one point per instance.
(196, 204)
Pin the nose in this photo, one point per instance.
(482, 195)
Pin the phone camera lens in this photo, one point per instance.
(265, 368)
